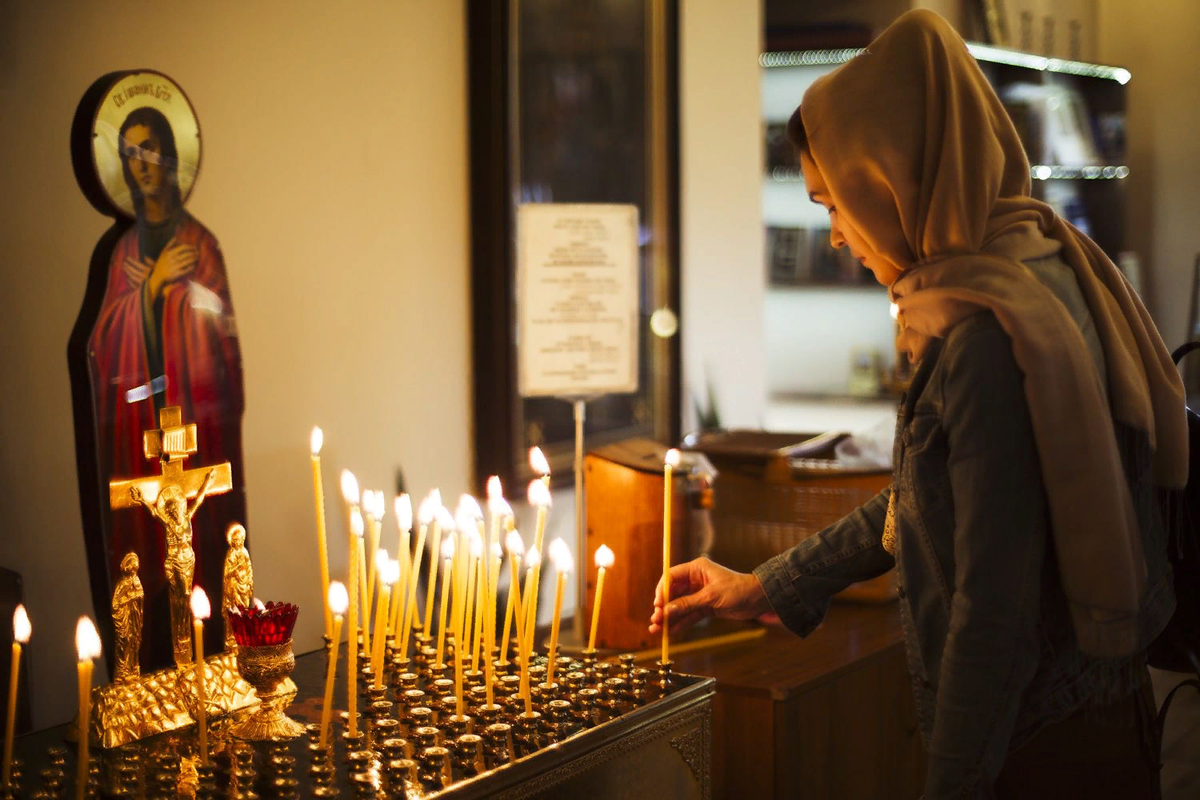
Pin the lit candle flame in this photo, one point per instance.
(448, 548)
(259, 604)
(539, 495)
(22, 630)
(200, 605)
(476, 545)
(497, 550)
(560, 556)
(356, 524)
(469, 505)
(538, 461)
(673, 457)
(349, 487)
(463, 520)
(381, 558)
(445, 519)
(87, 640)
(404, 512)
(380, 505)
(494, 490)
(338, 599)
(389, 572)
(316, 440)
(514, 544)
(425, 511)
(500, 507)
(604, 556)
(532, 557)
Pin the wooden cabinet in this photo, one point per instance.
(829, 717)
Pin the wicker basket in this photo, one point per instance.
(775, 490)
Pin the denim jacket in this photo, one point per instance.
(989, 641)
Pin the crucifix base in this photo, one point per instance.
(164, 701)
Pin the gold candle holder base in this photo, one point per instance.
(265, 668)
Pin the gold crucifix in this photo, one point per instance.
(166, 497)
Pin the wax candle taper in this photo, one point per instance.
(22, 630)
(389, 573)
(87, 646)
(604, 560)
(337, 602)
(539, 497)
(439, 516)
(490, 626)
(533, 563)
(315, 441)
(516, 547)
(356, 543)
(404, 520)
(350, 498)
(560, 555)
(200, 612)
(424, 518)
(447, 567)
(669, 464)
(372, 504)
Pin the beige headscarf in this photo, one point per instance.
(921, 159)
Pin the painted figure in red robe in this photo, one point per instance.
(165, 336)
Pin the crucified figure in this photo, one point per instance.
(171, 509)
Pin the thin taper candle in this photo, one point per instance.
(448, 557)
(364, 608)
(604, 559)
(387, 578)
(434, 560)
(561, 555)
(515, 547)
(539, 497)
(87, 645)
(200, 612)
(356, 531)
(337, 601)
(533, 560)
(672, 460)
(410, 607)
(21, 633)
(480, 608)
(315, 442)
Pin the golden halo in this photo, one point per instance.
(132, 91)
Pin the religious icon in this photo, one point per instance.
(127, 619)
(238, 586)
(162, 335)
(171, 509)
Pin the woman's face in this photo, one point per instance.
(841, 232)
(143, 150)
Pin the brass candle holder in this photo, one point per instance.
(498, 745)
(265, 668)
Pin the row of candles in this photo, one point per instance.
(466, 576)
(469, 569)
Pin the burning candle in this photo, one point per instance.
(356, 535)
(350, 497)
(87, 646)
(560, 555)
(474, 546)
(481, 576)
(539, 464)
(383, 566)
(438, 515)
(672, 461)
(337, 607)
(315, 442)
(515, 546)
(402, 505)
(539, 497)
(372, 504)
(533, 563)
(424, 517)
(447, 568)
(22, 630)
(604, 559)
(200, 611)
(489, 630)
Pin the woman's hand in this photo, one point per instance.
(176, 261)
(702, 589)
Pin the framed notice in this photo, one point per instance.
(574, 142)
(577, 299)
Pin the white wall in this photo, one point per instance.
(335, 178)
(1158, 47)
(723, 281)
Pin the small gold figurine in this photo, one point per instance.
(171, 509)
(127, 620)
(237, 587)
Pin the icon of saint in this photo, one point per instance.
(238, 584)
(127, 620)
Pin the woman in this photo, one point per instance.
(1044, 411)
